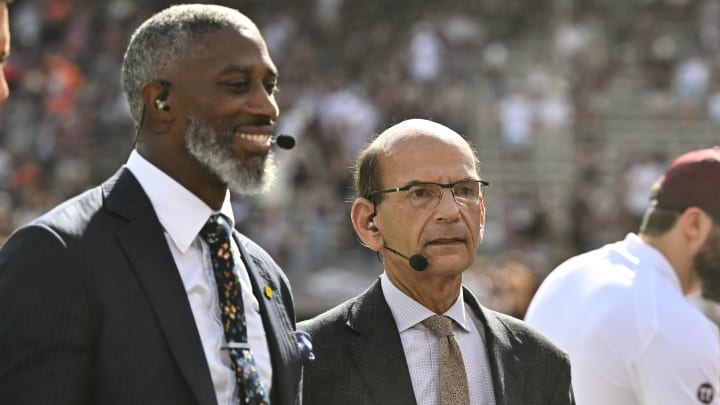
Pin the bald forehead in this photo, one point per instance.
(419, 131)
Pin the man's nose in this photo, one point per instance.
(261, 102)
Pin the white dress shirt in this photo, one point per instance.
(631, 335)
(182, 214)
(421, 347)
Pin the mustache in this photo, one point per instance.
(442, 230)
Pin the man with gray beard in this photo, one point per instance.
(140, 291)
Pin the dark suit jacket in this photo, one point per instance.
(360, 359)
(93, 309)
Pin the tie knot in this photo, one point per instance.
(216, 229)
(440, 325)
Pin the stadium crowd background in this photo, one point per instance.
(575, 107)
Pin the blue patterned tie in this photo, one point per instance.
(216, 233)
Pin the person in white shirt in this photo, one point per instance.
(621, 311)
(114, 297)
(421, 204)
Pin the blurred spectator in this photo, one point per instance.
(690, 82)
(713, 103)
(708, 17)
(425, 53)
(507, 287)
(347, 117)
(516, 121)
(642, 172)
(495, 57)
(582, 221)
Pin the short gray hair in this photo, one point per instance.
(167, 37)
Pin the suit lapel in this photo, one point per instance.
(146, 248)
(281, 343)
(504, 364)
(376, 350)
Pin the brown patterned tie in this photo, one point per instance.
(453, 379)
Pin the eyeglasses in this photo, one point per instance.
(428, 195)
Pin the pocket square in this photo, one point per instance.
(304, 343)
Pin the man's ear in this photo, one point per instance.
(696, 225)
(366, 228)
(158, 115)
(157, 99)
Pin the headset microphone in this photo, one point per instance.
(417, 262)
(284, 141)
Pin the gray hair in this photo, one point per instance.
(164, 39)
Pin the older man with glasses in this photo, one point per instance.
(416, 336)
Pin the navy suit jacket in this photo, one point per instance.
(93, 309)
(360, 359)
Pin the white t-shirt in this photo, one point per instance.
(631, 335)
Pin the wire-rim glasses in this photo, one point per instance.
(468, 192)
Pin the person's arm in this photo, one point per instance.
(45, 322)
(563, 393)
(679, 367)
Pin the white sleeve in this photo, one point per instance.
(679, 366)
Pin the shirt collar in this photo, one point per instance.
(637, 250)
(408, 312)
(180, 212)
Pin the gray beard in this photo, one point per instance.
(251, 176)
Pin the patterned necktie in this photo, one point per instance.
(216, 233)
(453, 379)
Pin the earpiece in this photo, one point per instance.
(161, 100)
(161, 104)
(372, 227)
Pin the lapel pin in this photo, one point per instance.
(268, 291)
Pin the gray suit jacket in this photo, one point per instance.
(94, 310)
(360, 359)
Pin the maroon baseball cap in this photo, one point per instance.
(691, 180)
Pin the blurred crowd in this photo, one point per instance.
(535, 84)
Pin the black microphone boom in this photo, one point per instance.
(284, 141)
(417, 262)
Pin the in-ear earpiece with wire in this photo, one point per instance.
(161, 104)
